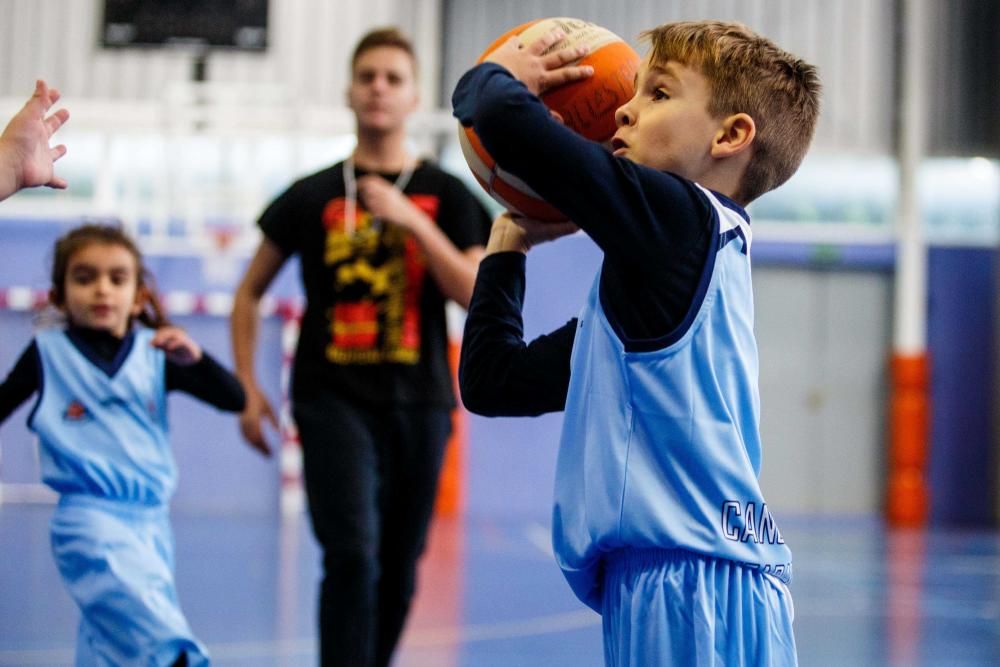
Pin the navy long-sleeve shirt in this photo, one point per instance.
(654, 228)
(206, 380)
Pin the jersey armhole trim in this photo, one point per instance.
(694, 309)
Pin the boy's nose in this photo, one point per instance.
(623, 116)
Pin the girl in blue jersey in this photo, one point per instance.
(659, 523)
(101, 421)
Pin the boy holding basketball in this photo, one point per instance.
(659, 523)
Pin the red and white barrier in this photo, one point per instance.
(220, 304)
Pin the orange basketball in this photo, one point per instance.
(587, 106)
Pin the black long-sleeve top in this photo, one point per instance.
(206, 380)
(654, 227)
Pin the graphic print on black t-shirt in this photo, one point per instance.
(307, 221)
(378, 271)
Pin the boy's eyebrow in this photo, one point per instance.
(663, 70)
(656, 70)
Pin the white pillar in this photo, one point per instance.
(909, 405)
(910, 334)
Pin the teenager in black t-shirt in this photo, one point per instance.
(384, 240)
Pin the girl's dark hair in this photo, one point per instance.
(152, 314)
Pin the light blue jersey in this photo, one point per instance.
(661, 450)
(103, 427)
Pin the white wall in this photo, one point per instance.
(852, 42)
(147, 144)
(307, 60)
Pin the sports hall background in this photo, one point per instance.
(187, 165)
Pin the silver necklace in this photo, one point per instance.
(351, 193)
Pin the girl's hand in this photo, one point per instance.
(178, 346)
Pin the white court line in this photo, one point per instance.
(537, 535)
(417, 638)
(527, 627)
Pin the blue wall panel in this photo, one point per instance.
(962, 316)
(511, 462)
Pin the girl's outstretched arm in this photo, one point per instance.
(193, 371)
(21, 383)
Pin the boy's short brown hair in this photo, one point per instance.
(379, 37)
(749, 74)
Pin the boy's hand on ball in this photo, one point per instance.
(599, 76)
(540, 231)
(537, 67)
(516, 233)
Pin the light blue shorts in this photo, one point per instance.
(117, 561)
(674, 607)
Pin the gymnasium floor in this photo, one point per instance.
(491, 595)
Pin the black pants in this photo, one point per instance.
(371, 477)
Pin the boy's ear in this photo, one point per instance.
(54, 299)
(734, 136)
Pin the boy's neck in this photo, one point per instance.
(725, 178)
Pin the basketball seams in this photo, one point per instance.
(578, 33)
(587, 107)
